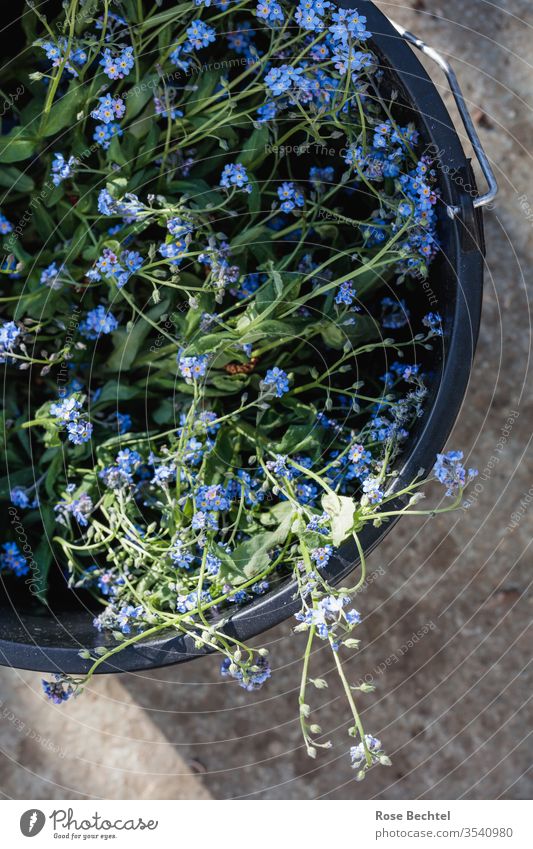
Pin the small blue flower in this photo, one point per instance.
(51, 276)
(211, 498)
(80, 508)
(5, 225)
(119, 65)
(348, 25)
(291, 197)
(250, 678)
(199, 35)
(97, 322)
(234, 175)
(107, 205)
(104, 133)
(79, 432)
(278, 465)
(358, 754)
(178, 60)
(173, 251)
(241, 39)
(123, 423)
(308, 17)
(192, 368)
(57, 53)
(110, 109)
(434, 322)
(66, 411)
(372, 490)
(59, 690)
(270, 11)
(19, 497)
(179, 227)
(283, 79)
(266, 112)
(277, 378)
(62, 168)
(346, 294)
(353, 617)
(450, 472)
(321, 556)
(12, 559)
(127, 616)
(10, 334)
(213, 564)
(128, 460)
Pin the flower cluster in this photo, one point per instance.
(235, 176)
(12, 559)
(62, 169)
(109, 111)
(117, 66)
(10, 338)
(118, 269)
(98, 322)
(226, 310)
(69, 415)
(450, 472)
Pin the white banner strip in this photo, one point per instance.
(266, 824)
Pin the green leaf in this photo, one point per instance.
(204, 88)
(342, 511)
(139, 95)
(229, 384)
(251, 557)
(127, 342)
(165, 413)
(115, 390)
(254, 149)
(14, 147)
(337, 334)
(12, 178)
(211, 342)
(43, 554)
(63, 112)
(299, 438)
(23, 477)
(53, 471)
(246, 237)
(44, 221)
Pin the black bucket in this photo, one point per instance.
(50, 640)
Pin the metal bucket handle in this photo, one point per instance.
(488, 173)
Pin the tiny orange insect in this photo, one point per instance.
(242, 368)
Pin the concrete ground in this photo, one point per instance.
(452, 709)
